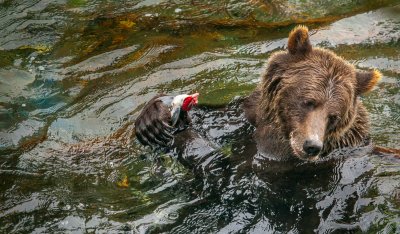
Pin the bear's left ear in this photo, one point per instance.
(367, 80)
(299, 42)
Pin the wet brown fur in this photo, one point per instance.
(309, 89)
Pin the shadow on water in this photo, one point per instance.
(75, 74)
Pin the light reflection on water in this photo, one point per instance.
(74, 76)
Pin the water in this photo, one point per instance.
(75, 74)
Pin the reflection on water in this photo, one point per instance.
(74, 75)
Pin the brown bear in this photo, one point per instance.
(306, 104)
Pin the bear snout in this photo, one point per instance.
(312, 147)
(306, 146)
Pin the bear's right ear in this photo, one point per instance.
(299, 42)
(367, 80)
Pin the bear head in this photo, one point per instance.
(309, 97)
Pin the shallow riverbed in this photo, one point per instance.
(75, 74)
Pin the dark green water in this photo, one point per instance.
(75, 74)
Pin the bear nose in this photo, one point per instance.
(312, 147)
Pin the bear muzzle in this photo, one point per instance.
(306, 148)
(312, 147)
(306, 140)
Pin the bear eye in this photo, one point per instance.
(333, 120)
(309, 104)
